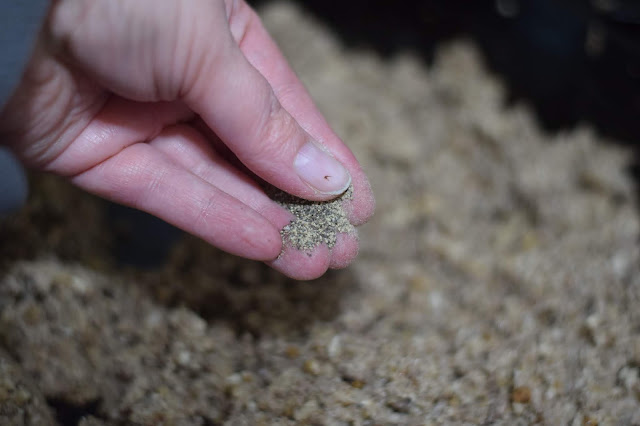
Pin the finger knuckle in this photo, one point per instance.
(277, 132)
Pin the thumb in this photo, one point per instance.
(238, 103)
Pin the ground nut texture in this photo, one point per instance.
(498, 283)
(315, 223)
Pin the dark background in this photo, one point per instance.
(572, 60)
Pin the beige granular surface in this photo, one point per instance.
(316, 223)
(497, 284)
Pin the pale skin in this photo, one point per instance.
(174, 108)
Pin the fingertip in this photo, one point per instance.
(361, 206)
(301, 265)
(256, 241)
(345, 250)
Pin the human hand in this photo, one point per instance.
(149, 103)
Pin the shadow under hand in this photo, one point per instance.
(248, 296)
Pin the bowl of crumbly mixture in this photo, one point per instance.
(498, 282)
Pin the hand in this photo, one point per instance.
(150, 102)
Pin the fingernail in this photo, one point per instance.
(320, 170)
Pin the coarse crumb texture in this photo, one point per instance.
(315, 222)
(498, 283)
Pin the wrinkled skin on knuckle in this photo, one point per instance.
(66, 19)
(136, 49)
(188, 53)
(277, 138)
(47, 110)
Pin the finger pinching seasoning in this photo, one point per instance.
(316, 223)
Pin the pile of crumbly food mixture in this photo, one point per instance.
(498, 282)
(315, 222)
